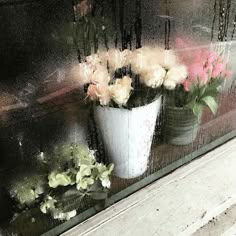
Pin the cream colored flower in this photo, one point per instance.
(159, 56)
(170, 84)
(104, 95)
(100, 75)
(116, 59)
(168, 60)
(92, 92)
(103, 56)
(126, 53)
(174, 76)
(141, 60)
(120, 91)
(154, 77)
(147, 58)
(99, 92)
(93, 59)
(82, 73)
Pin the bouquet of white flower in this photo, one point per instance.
(111, 77)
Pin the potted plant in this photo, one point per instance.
(126, 88)
(64, 179)
(184, 106)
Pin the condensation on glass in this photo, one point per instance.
(40, 108)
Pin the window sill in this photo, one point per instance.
(178, 204)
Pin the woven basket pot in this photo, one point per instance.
(127, 136)
(180, 125)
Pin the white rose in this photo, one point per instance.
(146, 58)
(99, 92)
(164, 58)
(125, 54)
(103, 93)
(82, 73)
(100, 75)
(120, 91)
(170, 84)
(154, 77)
(141, 60)
(117, 59)
(169, 59)
(174, 76)
(93, 59)
(103, 56)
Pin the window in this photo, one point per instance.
(146, 123)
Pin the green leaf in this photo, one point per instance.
(203, 90)
(211, 103)
(197, 110)
(110, 167)
(212, 89)
(70, 204)
(72, 193)
(99, 195)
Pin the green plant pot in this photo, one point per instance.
(180, 125)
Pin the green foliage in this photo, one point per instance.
(197, 98)
(72, 175)
(197, 109)
(26, 189)
(76, 167)
(201, 96)
(211, 103)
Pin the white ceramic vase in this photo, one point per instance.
(127, 136)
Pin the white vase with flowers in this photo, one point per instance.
(126, 88)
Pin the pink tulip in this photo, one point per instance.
(195, 71)
(212, 57)
(218, 69)
(198, 74)
(197, 57)
(202, 63)
(204, 78)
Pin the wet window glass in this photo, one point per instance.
(100, 98)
